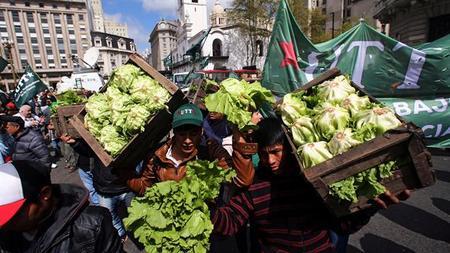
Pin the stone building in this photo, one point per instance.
(43, 34)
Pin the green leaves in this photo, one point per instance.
(131, 99)
(365, 183)
(173, 216)
(237, 99)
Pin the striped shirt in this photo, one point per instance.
(286, 212)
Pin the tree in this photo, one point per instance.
(254, 19)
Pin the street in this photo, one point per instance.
(420, 224)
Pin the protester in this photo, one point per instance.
(29, 145)
(85, 164)
(216, 127)
(286, 213)
(36, 216)
(29, 118)
(6, 144)
(169, 161)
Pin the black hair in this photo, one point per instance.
(269, 133)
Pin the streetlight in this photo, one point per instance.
(8, 45)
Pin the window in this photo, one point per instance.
(34, 40)
(44, 18)
(81, 17)
(54, 6)
(71, 31)
(45, 30)
(30, 17)
(58, 30)
(17, 29)
(27, 4)
(35, 50)
(57, 19)
(41, 5)
(20, 40)
(195, 1)
(217, 47)
(15, 15)
(260, 48)
(2, 17)
(97, 42)
(69, 19)
(32, 30)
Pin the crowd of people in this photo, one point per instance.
(269, 207)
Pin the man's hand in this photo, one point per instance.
(67, 139)
(386, 199)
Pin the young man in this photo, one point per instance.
(286, 213)
(169, 161)
(36, 216)
(30, 145)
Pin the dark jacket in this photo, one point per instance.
(74, 227)
(105, 182)
(30, 146)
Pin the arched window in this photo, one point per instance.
(260, 48)
(217, 47)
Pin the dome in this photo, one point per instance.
(217, 9)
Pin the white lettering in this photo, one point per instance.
(438, 131)
(414, 70)
(425, 128)
(401, 108)
(338, 53)
(313, 62)
(420, 106)
(444, 105)
(446, 132)
(361, 57)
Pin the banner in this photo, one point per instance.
(29, 86)
(389, 70)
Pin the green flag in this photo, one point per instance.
(3, 63)
(29, 86)
(414, 81)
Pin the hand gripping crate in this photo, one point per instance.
(404, 142)
(156, 128)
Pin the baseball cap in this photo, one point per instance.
(15, 119)
(187, 114)
(19, 181)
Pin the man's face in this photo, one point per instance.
(187, 139)
(12, 128)
(31, 214)
(215, 116)
(272, 157)
(26, 112)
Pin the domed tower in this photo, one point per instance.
(218, 15)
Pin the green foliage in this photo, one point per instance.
(237, 99)
(366, 183)
(131, 99)
(173, 216)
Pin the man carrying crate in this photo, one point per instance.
(169, 161)
(286, 213)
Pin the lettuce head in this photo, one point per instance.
(342, 141)
(314, 153)
(382, 118)
(335, 90)
(330, 118)
(303, 131)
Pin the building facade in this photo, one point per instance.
(114, 51)
(113, 27)
(96, 15)
(415, 22)
(163, 40)
(44, 35)
(340, 12)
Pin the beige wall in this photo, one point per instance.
(41, 40)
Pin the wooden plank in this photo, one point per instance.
(55, 121)
(91, 141)
(66, 112)
(166, 83)
(356, 154)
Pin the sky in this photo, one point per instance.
(142, 15)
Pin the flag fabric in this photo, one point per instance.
(414, 81)
(3, 63)
(29, 86)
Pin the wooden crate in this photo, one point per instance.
(403, 142)
(64, 114)
(157, 127)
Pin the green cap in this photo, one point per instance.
(187, 114)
